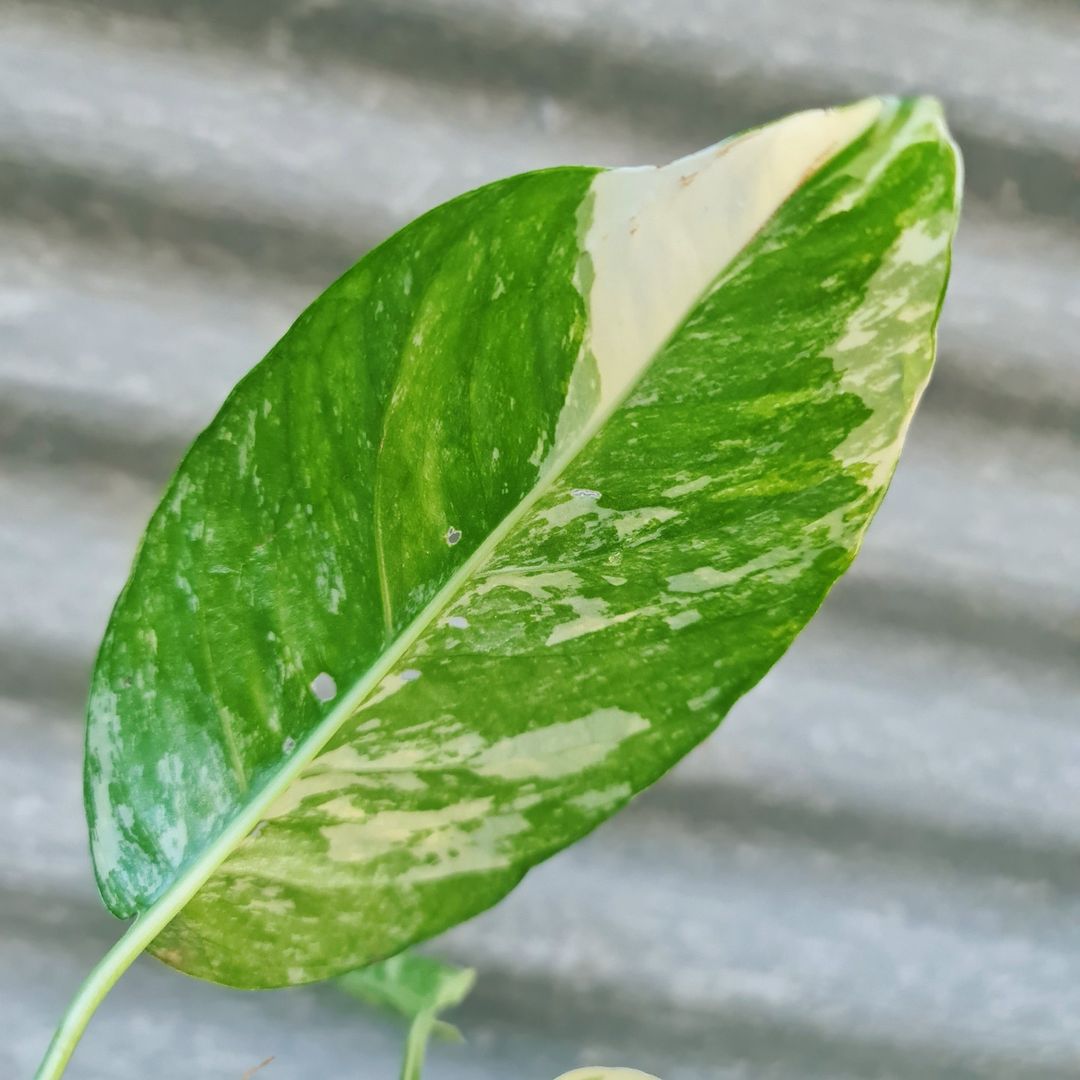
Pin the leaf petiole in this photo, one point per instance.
(92, 992)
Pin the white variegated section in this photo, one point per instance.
(103, 745)
(462, 838)
(559, 749)
(881, 354)
(660, 236)
(542, 753)
(467, 837)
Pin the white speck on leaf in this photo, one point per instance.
(537, 456)
(698, 703)
(683, 618)
(289, 745)
(676, 491)
(458, 622)
(585, 493)
(453, 536)
(410, 675)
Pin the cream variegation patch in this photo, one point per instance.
(660, 236)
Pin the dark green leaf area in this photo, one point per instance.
(344, 480)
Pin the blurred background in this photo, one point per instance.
(873, 869)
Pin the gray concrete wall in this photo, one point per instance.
(873, 869)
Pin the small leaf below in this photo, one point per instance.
(419, 988)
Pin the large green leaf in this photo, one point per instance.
(501, 529)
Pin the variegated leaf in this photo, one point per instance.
(501, 529)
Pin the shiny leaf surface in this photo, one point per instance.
(501, 529)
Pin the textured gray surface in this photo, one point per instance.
(873, 869)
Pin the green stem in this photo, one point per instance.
(97, 984)
(147, 925)
(416, 1044)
